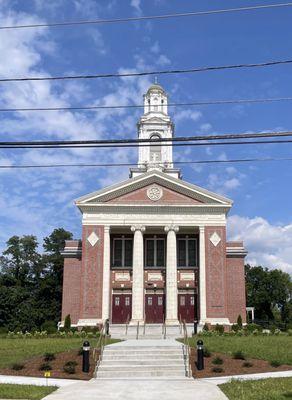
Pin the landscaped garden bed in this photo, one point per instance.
(62, 357)
(267, 389)
(237, 355)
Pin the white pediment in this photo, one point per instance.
(154, 177)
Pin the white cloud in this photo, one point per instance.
(268, 245)
(136, 4)
(187, 115)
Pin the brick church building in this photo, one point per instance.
(154, 247)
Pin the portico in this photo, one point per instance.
(154, 246)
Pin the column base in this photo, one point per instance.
(170, 321)
(135, 322)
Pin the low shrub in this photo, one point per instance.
(69, 367)
(90, 329)
(217, 361)
(71, 363)
(49, 357)
(206, 328)
(239, 321)
(45, 367)
(217, 369)
(207, 352)
(247, 364)
(289, 332)
(275, 363)
(17, 367)
(219, 329)
(238, 355)
(50, 327)
(252, 327)
(235, 328)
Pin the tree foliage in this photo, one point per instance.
(31, 282)
(267, 291)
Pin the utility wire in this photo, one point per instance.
(118, 107)
(96, 146)
(148, 17)
(147, 142)
(244, 160)
(149, 73)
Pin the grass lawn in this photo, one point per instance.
(268, 348)
(18, 350)
(267, 389)
(8, 391)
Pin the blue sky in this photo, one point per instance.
(37, 201)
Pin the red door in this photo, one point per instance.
(186, 307)
(121, 308)
(154, 308)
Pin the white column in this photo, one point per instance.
(106, 275)
(202, 274)
(138, 275)
(171, 275)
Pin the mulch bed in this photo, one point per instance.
(231, 366)
(31, 367)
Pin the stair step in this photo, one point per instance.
(117, 363)
(139, 374)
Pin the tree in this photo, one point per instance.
(30, 282)
(267, 290)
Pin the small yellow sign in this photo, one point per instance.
(47, 374)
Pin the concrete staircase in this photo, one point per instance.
(143, 359)
(150, 331)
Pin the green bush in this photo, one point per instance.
(49, 356)
(69, 369)
(207, 352)
(247, 364)
(71, 363)
(45, 367)
(50, 327)
(219, 329)
(67, 323)
(239, 321)
(17, 367)
(235, 328)
(252, 327)
(217, 369)
(217, 361)
(238, 355)
(275, 363)
(90, 329)
(206, 328)
(3, 330)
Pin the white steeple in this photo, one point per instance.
(155, 124)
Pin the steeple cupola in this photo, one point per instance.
(155, 125)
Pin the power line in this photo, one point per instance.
(146, 142)
(149, 73)
(118, 107)
(148, 17)
(244, 160)
(154, 144)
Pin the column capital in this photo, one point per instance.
(135, 228)
(107, 228)
(171, 227)
(202, 228)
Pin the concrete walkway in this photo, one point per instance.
(166, 389)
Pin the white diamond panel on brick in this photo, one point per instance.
(215, 239)
(93, 238)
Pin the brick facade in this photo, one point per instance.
(91, 275)
(216, 273)
(71, 289)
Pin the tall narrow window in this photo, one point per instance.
(155, 149)
(122, 252)
(187, 252)
(155, 252)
